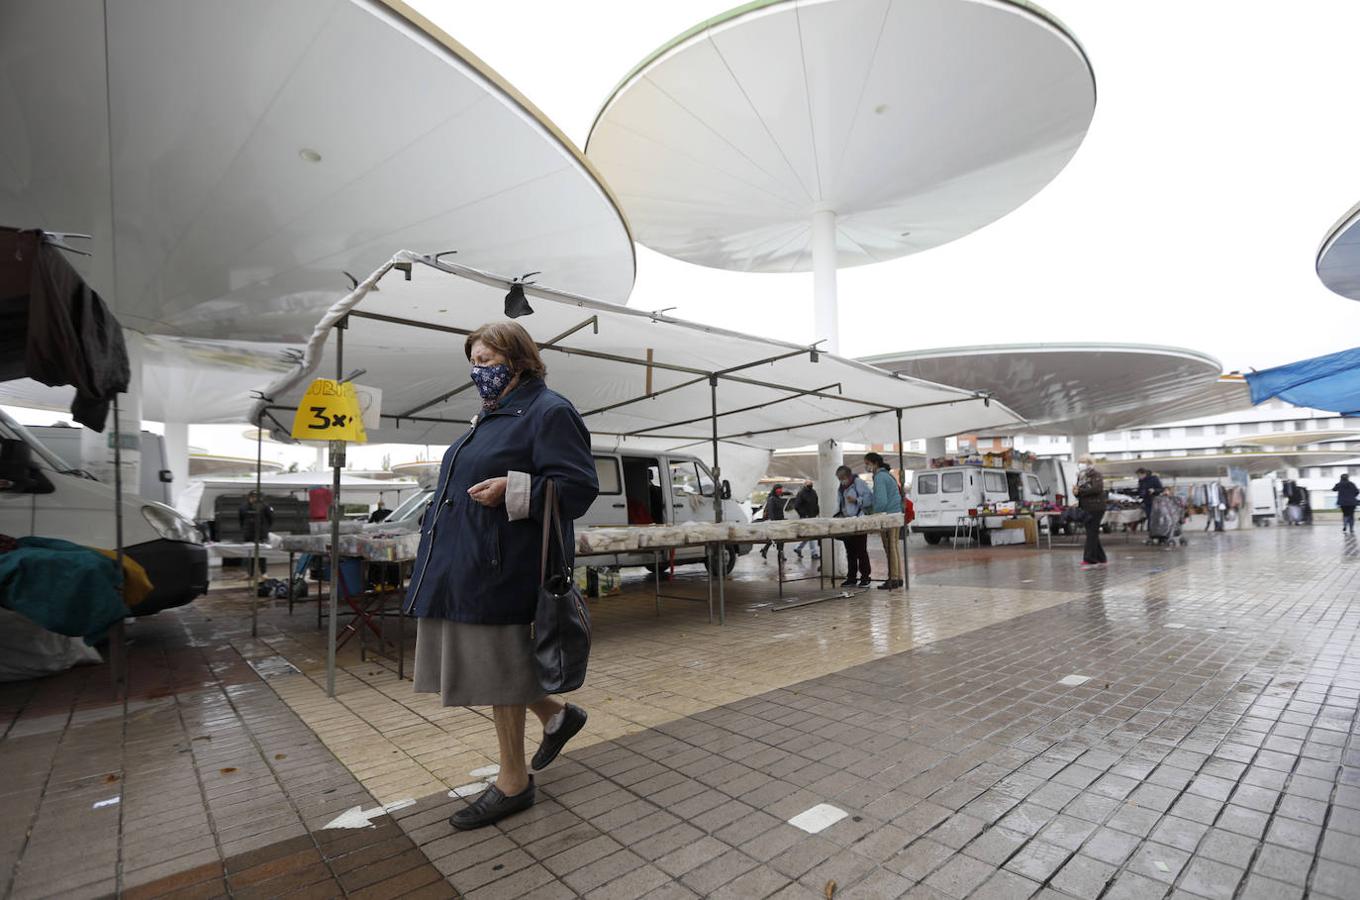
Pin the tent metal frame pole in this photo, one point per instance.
(670, 367)
(118, 662)
(720, 556)
(333, 599)
(259, 505)
(901, 479)
(731, 412)
(592, 321)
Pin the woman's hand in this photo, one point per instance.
(489, 493)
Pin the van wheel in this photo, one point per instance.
(933, 539)
(729, 560)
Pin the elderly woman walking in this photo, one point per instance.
(477, 573)
(1091, 499)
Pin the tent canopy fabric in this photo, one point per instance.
(769, 394)
(1329, 382)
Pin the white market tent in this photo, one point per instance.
(1213, 465)
(635, 376)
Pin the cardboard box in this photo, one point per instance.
(1027, 524)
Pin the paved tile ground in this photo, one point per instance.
(1211, 752)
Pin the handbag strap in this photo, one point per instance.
(552, 518)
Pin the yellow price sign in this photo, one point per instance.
(329, 411)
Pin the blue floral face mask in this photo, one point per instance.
(491, 381)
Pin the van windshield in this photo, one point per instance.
(411, 507)
(12, 430)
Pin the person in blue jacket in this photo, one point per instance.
(887, 498)
(474, 587)
(854, 498)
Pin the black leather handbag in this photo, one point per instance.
(561, 629)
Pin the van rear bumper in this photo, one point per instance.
(178, 573)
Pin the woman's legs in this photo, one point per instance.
(514, 775)
(851, 558)
(861, 548)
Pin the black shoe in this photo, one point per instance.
(798, 553)
(886, 586)
(849, 582)
(865, 582)
(491, 806)
(573, 720)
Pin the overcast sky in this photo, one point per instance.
(1224, 146)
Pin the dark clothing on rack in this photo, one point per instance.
(379, 515)
(55, 329)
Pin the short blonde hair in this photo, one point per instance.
(1086, 459)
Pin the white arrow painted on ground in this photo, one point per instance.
(358, 817)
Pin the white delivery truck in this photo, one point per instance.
(636, 488)
(42, 496)
(947, 499)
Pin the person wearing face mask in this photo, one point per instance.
(854, 498)
(1090, 493)
(887, 497)
(475, 584)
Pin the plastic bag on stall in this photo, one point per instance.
(27, 650)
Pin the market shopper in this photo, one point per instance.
(1091, 499)
(806, 504)
(774, 512)
(475, 584)
(1346, 493)
(1149, 486)
(887, 497)
(854, 498)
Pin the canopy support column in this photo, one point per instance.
(825, 310)
(902, 484)
(719, 556)
(1081, 446)
(337, 462)
(118, 662)
(259, 507)
(935, 448)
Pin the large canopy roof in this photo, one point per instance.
(635, 376)
(1082, 388)
(1338, 259)
(237, 159)
(1212, 465)
(1294, 439)
(915, 121)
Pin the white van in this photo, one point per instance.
(636, 488)
(41, 496)
(944, 496)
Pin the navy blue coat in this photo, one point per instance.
(474, 564)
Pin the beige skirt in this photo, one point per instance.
(476, 665)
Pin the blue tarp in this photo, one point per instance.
(1330, 383)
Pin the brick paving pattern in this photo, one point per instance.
(1212, 751)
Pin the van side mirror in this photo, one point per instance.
(726, 489)
(17, 472)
